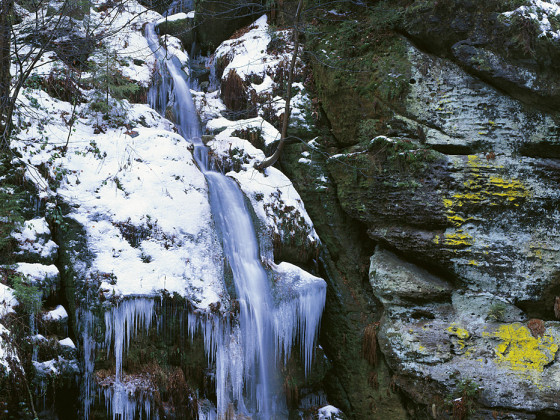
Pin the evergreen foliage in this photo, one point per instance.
(109, 83)
(11, 210)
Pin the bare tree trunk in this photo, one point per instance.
(272, 159)
(6, 16)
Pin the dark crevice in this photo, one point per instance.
(439, 270)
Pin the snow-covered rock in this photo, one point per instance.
(35, 243)
(46, 277)
(7, 300)
(67, 342)
(57, 314)
(329, 412)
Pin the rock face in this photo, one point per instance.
(454, 175)
(217, 20)
(513, 45)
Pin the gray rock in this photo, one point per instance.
(394, 279)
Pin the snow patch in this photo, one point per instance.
(34, 238)
(329, 412)
(539, 12)
(7, 300)
(58, 314)
(67, 342)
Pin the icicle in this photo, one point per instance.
(298, 315)
(314, 400)
(86, 320)
(123, 401)
(122, 323)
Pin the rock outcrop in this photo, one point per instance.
(454, 175)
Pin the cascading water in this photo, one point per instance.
(241, 248)
(246, 353)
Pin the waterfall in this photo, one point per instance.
(247, 352)
(253, 341)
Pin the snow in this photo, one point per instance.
(6, 351)
(39, 274)
(57, 314)
(174, 18)
(37, 338)
(67, 342)
(127, 39)
(149, 185)
(7, 300)
(276, 202)
(34, 238)
(226, 128)
(175, 47)
(48, 367)
(208, 105)
(56, 366)
(248, 52)
(142, 200)
(329, 412)
(248, 55)
(539, 11)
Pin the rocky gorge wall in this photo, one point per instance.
(445, 153)
(424, 144)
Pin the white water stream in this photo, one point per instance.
(241, 248)
(248, 353)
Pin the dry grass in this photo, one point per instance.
(536, 326)
(234, 92)
(369, 344)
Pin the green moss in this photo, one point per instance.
(497, 311)
(361, 68)
(403, 155)
(27, 294)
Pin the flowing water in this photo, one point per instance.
(248, 352)
(240, 245)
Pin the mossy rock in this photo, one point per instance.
(361, 69)
(182, 28)
(216, 21)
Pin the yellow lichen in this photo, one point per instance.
(473, 161)
(461, 334)
(456, 220)
(473, 262)
(521, 352)
(480, 189)
(458, 238)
